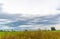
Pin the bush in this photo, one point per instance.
(53, 28)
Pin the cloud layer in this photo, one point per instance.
(21, 21)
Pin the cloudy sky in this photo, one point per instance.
(42, 7)
(21, 14)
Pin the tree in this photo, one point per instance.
(53, 28)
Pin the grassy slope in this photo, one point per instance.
(30, 35)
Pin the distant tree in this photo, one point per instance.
(26, 30)
(53, 28)
(1, 30)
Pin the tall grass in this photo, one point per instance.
(30, 35)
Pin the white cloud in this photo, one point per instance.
(5, 27)
(34, 27)
(43, 7)
(4, 21)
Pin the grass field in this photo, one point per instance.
(30, 35)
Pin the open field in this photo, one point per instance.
(30, 35)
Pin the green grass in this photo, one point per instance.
(30, 35)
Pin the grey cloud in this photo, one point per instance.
(18, 20)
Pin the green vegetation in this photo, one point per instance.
(39, 34)
(53, 28)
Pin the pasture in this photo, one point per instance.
(30, 35)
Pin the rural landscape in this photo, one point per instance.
(36, 34)
(29, 19)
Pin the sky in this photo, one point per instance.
(21, 22)
(17, 14)
(42, 7)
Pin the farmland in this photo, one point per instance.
(30, 35)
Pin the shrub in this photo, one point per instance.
(53, 28)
